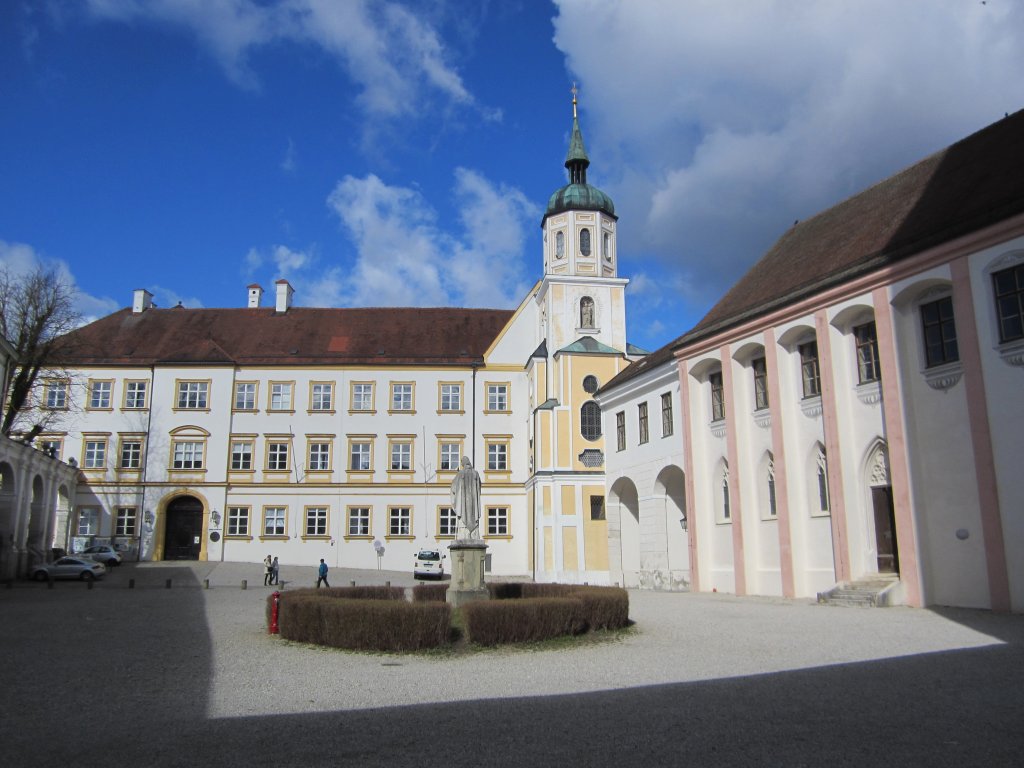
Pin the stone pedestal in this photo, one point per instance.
(467, 564)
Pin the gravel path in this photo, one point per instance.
(178, 676)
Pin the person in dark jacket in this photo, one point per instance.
(321, 574)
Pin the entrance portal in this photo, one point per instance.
(183, 532)
(885, 529)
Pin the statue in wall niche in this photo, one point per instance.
(466, 500)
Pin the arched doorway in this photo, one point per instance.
(183, 529)
(884, 512)
(7, 520)
(671, 486)
(624, 514)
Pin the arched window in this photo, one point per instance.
(772, 508)
(559, 245)
(606, 246)
(586, 312)
(590, 420)
(822, 463)
(726, 510)
(585, 241)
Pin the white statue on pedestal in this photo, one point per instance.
(466, 500)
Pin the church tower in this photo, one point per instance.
(581, 337)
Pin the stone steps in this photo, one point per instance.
(866, 593)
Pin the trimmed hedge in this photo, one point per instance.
(429, 593)
(354, 593)
(491, 622)
(364, 624)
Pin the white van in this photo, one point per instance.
(429, 564)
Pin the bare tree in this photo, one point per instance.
(36, 310)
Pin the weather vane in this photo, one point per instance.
(574, 92)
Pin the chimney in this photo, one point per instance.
(284, 295)
(141, 300)
(255, 296)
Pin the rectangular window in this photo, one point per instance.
(241, 456)
(401, 397)
(497, 521)
(362, 397)
(717, 397)
(95, 454)
(810, 373)
(642, 421)
(277, 457)
(451, 455)
(597, 508)
(245, 396)
(50, 447)
(319, 457)
(273, 521)
(99, 394)
(188, 455)
(193, 394)
(1009, 290)
(125, 523)
(280, 396)
(358, 521)
(866, 340)
(322, 397)
(131, 454)
(497, 457)
(620, 431)
(451, 397)
(56, 394)
(316, 521)
(401, 457)
(666, 415)
(88, 521)
(135, 394)
(760, 370)
(940, 345)
(399, 521)
(446, 521)
(359, 457)
(497, 397)
(238, 521)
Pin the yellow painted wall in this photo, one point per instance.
(565, 426)
(531, 517)
(570, 556)
(545, 499)
(595, 533)
(549, 554)
(568, 500)
(545, 437)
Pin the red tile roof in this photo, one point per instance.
(300, 336)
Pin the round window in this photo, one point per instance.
(590, 384)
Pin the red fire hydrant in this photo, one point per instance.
(274, 610)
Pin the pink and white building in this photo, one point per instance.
(854, 405)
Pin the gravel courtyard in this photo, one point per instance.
(188, 676)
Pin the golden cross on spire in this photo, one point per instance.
(574, 92)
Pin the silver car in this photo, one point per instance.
(103, 553)
(70, 567)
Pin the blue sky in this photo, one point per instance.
(401, 153)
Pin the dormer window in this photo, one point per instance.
(585, 241)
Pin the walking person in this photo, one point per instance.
(322, 574)
(268, 571)
(274, 571)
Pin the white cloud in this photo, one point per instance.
(20, 259)
(396, 58)
(715, 126)
(405, 259)
(167, 298)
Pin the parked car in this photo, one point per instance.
(103, 553)
(71, 567)
(429, 564)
